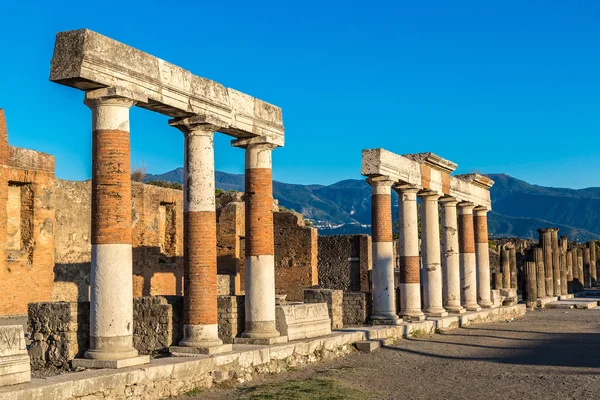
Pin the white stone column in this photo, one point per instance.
(260, 248)
(200, 311)
(384, 299)
(430, 253)
(484, 294)
(111, 302)
(450, 257)
(408, 254)
(468, 262)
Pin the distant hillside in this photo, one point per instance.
(519, 208)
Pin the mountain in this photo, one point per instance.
(519, 208)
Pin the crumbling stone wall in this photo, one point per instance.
(27, 251)
(231, 317)
(344, 262)
(356, 308)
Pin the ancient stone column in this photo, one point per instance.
(408, 254)
(587, 276)
(563, 273)
(497, 280)
(581, 273)
(530, 284)
(200, 314)
(570, 272)
(260, 247)
(538, 258)
(482, 254)
(505, 265)
(450, 257)
(593, 275)
(430, 253)
(384, 300)
(555, 263)
(466, 240)
(111, 303)
(546, 245)
(513, 267)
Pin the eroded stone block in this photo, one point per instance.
(301, 321)
(14, 361)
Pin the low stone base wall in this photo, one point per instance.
(345, 308)
(303, 321)
(60, 330)
(14, 362)
(166, 377)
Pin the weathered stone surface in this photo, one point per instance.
(303, 321)
(14, 362)
(334, 300)
(345, 262)
(87, 60)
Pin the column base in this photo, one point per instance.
(261, 341)
(386, 320)
(455, 310)
(473, 307)
(486, 304)
(185, 351)
(413, 316)
(89, 363)
(436, 313)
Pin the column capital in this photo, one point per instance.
(429, 195)
(116, 96)
(265, 141)
(480, 211)
(197, 125)
(380, 182)
(448, 201)
(403, 188)
(465, 207)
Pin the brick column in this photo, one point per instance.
(260, 248)
(111, 303)
(408, 254)
(466, 242)
(200, 316)
(545, 239)
(484, 295)
(450, 258)
(430, 250)
(384, 299)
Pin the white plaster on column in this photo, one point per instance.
(199, 171)
(430, 245)
(484, 293)
(450, 257)
(408, 245)
(110, 113)
(201, 335)
(469, 281)
(111, 306)
(259, 156)
(260, 287)
(384, 299)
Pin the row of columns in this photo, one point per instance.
(454, 271)
(111, 317)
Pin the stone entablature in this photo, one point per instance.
(428, 171)
(86, 60)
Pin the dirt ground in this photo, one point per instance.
(550, 354)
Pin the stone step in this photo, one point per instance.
(570, 304)
(369, 346)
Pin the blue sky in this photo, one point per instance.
(495, 86)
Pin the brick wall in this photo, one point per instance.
(344, 262)
(26, 269)
(356, 308)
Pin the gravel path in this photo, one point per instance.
(550, 354)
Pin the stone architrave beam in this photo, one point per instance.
(428, 171)
(86, 60)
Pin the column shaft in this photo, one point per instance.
(260, 252)
(408, 254)
(587, 276)
(484, 295)
(111, 303)
(538, 258)
(570, 272)
(450, 257)
(593, 275)
(505, 264)
(556, 285)
(384, 298)
(468, 262)
(545, 240)
(430, 250)
(530, 284)
(581, 273)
